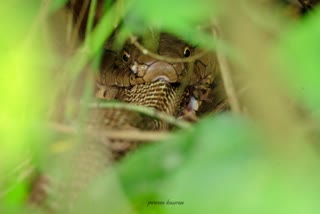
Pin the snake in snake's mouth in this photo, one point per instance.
(130, 69)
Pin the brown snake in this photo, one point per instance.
(136, 78)
(133, 77)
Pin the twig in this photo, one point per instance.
(17, 169)
(145, 51)
(143, 110)
(228, 84)
(17, 175)
(132, 135)
(79, 20)
(136, 135)
(222, 106)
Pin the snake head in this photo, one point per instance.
(151, 70)
(132, 66)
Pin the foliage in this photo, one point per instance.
(300, 48)
(224, 164)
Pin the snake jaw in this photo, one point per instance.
(160, 70)
(161, 78)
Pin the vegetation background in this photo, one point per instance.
(261, 157)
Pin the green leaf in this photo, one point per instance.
(15, 198)
(57, 4)
(145, 174)
(181, 18)
(223, 166)
(300, 50)
(171, 14)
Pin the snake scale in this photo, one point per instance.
(133, 77)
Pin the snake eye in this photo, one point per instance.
(186, 52)
(125, 56)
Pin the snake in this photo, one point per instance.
(129, 69)
(173, 87)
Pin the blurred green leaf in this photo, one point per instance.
(16, 19)
(300, 50)
(224, 166)
(168, 14)
(181, 18)
(212, 140)
(23, 86)
(57, 4)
